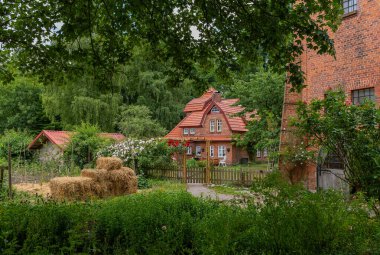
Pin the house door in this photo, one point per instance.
(330, 173)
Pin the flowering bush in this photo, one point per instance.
(140, 153)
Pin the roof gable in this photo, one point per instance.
(198, 108)
(62, 138)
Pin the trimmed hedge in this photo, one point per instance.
(177, 223)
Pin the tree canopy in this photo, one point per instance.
(51, 36)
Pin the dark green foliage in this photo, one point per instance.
(349, 131)
(19, 141)
(84, 144)
(52, 36)
(136, 122)
(260, 91)
(21, 106)
(143, 182)
(292, 221)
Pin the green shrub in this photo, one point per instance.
(290, 222)
(142, 182)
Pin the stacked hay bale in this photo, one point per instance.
(109, 178)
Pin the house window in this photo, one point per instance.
(215, 109)
(265, 153)
(192, 131)
(350, 6)
(185, 131)
(188, 151)
(221, 151)
(219, 125)
(212, 151)
(258, 154)
(198, 151)
(360, 95)
(212, 125)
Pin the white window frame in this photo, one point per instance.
(188, 150)
(221, 151)
(349, 6)
(185, 131)
(211, 151)
(265, 152)
(198, 150)
(192, 131)
(212, 126)
(219, 125)
(215, 109)
(258, 154)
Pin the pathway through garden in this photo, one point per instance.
(200, 190)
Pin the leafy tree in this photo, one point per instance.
(73, 100)
(84, 144)
(53, 36)
(351, 132)
(19, 141)
(21, 106)
(260, 92)
(136, 121)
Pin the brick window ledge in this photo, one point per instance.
(350, 14)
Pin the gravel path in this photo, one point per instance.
(200, 190)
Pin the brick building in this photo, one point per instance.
(356, 68)
(212, 120)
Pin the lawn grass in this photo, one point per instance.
(165, 185)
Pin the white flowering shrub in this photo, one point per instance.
(143, 154)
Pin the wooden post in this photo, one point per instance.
(208, 175)
(9, 171)
(184, 172)
(1, 176)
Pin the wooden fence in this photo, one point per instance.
(218, 175)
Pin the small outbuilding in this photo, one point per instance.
(50, 144)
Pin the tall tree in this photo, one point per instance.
(21, 106)
(260, 92)
(136, 122)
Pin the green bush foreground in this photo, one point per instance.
(293, 221)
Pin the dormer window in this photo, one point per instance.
(215, 109)
(192, 131)
(185, 131)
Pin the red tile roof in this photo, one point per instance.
(62, 138)
(198, 108)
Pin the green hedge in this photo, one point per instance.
(177, 223)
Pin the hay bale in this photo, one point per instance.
(124, 181)
(109, 163)
(98, 175)
(72, 188)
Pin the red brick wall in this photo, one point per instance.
(357, 66)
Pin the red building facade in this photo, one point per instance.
(356, 68)
(212, 122)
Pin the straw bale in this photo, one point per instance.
(109, 163)
(72, 188)
(124, 181)
(98, 175)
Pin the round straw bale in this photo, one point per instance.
(72, 187)
(109, 163)
(98, 175)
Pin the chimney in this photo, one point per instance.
(217, 96)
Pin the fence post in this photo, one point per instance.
(242, 176)
(208, 175)
(9, 171)
(184, 172)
